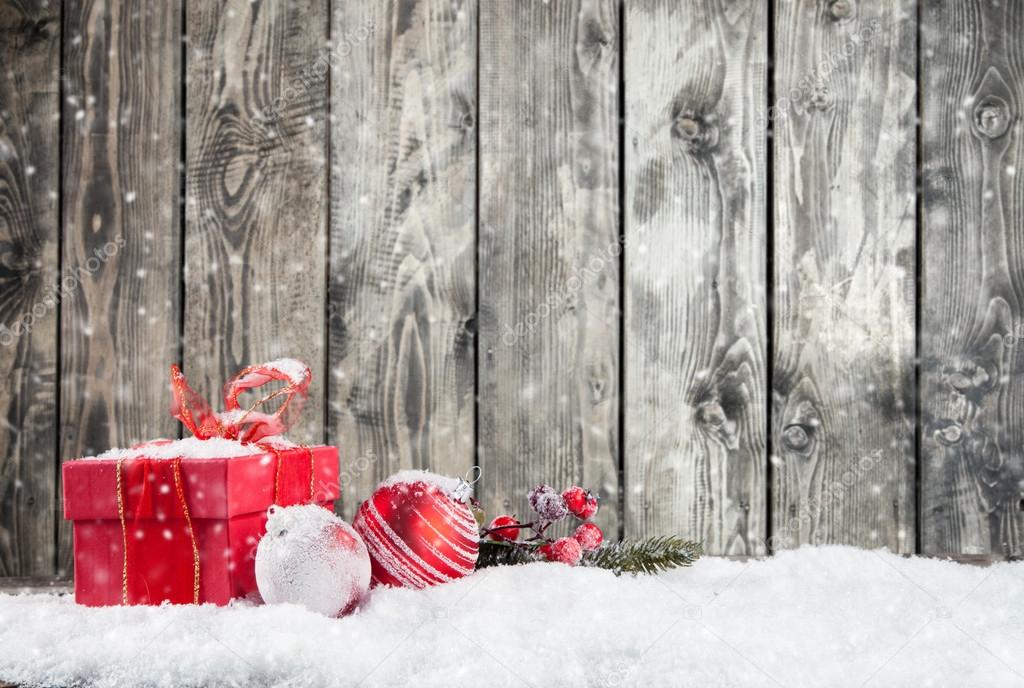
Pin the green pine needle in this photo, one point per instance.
(502, 554)
(652, 555)
(645, 556)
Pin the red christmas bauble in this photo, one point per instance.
(417, 530)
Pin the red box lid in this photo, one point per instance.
(214, 488)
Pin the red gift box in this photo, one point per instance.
(153, 526)
(227, 501)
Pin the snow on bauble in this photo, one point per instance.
(311, 557)
(418, 530)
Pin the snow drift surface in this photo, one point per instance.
(830, 616)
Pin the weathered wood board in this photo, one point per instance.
(421, 199)
(29, 275)
(844, 271)
(695, 308)
(548, 251)
(256, 192)
(403, 240)
(972, 320)
(121, 278)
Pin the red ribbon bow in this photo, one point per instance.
(235, 423)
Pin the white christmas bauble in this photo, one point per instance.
(311, 557)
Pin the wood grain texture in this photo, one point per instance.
(120, 312)
(548, 251)
(844, 271)
(36, 586)
(256, 185)
(403, 240)
(29, 265)
(695, 422)
(972, 321)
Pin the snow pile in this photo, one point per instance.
(295, 371)
(408, 477)
(192, 448)
(816, 617)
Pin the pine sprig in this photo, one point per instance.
(645, 556)
(503, 554)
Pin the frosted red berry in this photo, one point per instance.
(564, 550)
(589, 536)
(509, 530)
(535, 494)
(548, 504)
(581, 503)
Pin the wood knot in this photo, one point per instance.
(960, 382)
(34, 31)
(821, 98)
(467, 121)
(263, 154)
(42, 30)
(687, 128)
(796, 437)
(841, 9)
(972, 378)
(698, 135)
(711, 413)
(950, 434)
(991, 117)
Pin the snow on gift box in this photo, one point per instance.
(179, 521)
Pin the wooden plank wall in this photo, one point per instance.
(403, 240)
(256, 192)
(972, 354)
(121, 227)
(695, 318)
(549, 269)
(694, 255)
(844, 258)
(30, 40)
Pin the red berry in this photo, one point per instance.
(589, 536)
(507, 534)
(535, 494)
(547, 503)
(582, 503)
(565, 550)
